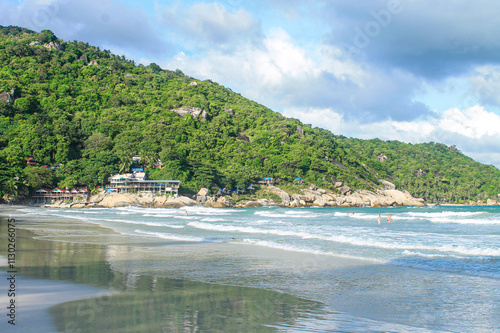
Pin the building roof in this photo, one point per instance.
(120, 177)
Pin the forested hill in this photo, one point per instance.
(84, 113)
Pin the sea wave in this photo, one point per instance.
(247, 230)
(302, 249)
(404, 244)
(465, 221)
(443, 214)
(163, 235)
(290, 214)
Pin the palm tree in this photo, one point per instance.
(125, 163)
(10, 189)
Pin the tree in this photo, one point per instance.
(46, 36)
(38, 177)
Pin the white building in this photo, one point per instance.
(136, 183)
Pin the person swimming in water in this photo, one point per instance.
(389, 218)
(378, 218)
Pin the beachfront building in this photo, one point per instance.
(44, 195)
(136, 182)
(269, 181)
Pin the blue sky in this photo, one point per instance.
(414, 71)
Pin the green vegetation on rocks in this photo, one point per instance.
(89, 111)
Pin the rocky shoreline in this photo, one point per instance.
(275, 197)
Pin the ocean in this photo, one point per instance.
(431, 269)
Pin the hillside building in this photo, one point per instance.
(136, 182)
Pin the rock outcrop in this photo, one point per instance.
(382, 158)
(203, 192)
(492, 202)
(312, 196)
(7, 98)
(110, 200)
(300, 131)
(193, 111)
(387, 185)
(54, 46)
(284, 196)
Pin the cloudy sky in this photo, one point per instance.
(408, 70)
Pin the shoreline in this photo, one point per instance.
(54, 296)
(188, 202)
(268, 196)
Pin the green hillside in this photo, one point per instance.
(90, 112)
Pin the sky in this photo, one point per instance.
(408, 70)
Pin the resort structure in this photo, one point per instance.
(269, 181)
(47, 195)
(136, 182)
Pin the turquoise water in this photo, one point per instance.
(433, 268)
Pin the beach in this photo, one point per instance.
(132, 276)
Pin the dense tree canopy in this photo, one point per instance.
(87, 112)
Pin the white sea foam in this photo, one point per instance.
(284, 247)
(185, 217)
(362, 241)
(443, 214)
(363, 216)
(338, 214)
(464, 221)
(163, 235)
(211, 219)
(289, 214)
(292, 248)
(158, 215)
(404, 244)
(247, 230)
(195, 210)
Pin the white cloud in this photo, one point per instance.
(475, 131)
(278, 73)
(325, 118)
(474, 122)
(263, 73)
(209, 25)
(485, 83)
